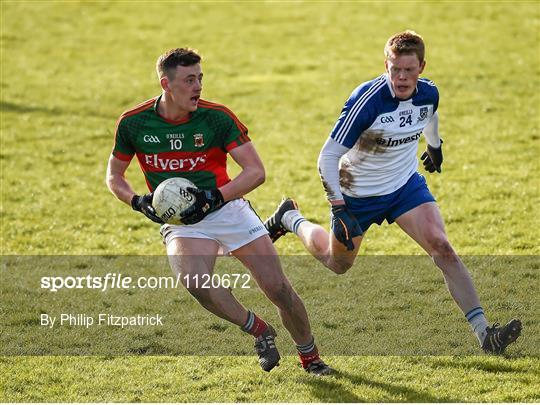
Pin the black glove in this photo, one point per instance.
(345, 226)
(143, 203)
(206, 201)
(432, 158)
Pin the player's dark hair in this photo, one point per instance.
(167, 63)
(405, 43)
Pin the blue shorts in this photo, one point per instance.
(369, 210)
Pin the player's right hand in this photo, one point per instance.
(143, 203)
(345, 226)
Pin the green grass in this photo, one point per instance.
(69, 69)
(234, 379)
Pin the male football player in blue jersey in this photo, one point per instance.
(368, 167)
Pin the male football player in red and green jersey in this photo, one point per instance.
(177, 134)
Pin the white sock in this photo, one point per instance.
(478, 322)
(291, 220)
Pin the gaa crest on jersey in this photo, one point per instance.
(151, 139)
(198, 140)
(423, 113)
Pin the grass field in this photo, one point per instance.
(69, 69)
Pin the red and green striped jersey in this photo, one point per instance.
(195, 148)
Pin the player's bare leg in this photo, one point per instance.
(188, 262)
(425, 225)
(326, 248)
(321, 244)
(261, 258)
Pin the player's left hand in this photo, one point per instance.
(206, 201)
(432, 158)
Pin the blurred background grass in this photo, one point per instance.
(70, 69)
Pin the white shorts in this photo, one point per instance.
(234, 225)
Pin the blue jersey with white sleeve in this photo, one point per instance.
(382, 133)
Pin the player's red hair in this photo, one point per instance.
(405, 43)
